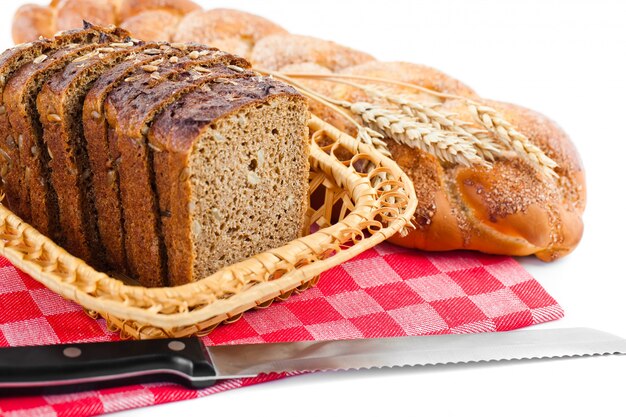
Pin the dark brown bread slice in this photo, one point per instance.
(20, 96)
(148, 94)
(60, 105)
(231, 173)
(12, 174)
(12, 60)
(102, 162)
(95, 128)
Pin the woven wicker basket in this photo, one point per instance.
(350, 213)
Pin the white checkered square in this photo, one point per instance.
(51, 303)
(454, 261)
(499, 303)
(29, 332)
(10, 281)
(309, 294)
(354, 304)
(334, 330)
(66, 398)
(124, 400)
(273, 319)
(508, 272)
(43, 411)
(388, 249)
(436, 287)
(418, 319)
(476, 327)
(371, 272)
(543, 314)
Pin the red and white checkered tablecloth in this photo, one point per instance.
(386, 291)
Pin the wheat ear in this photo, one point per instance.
(486, 116)
(485, 146)
(507, 134)
(405, 129)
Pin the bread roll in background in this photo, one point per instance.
(70, 14)
(226, 25)
(31, 21)
(130, 8)
(152, 25)
(277, 51)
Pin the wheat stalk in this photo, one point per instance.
(507, 134)
(485, 146)
(405, 129)
(486, 116)
(373, 138)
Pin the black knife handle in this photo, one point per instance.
(180, 360)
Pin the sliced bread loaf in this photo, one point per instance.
(149, 93)
(12, 60)
(103, 158)
(60, 105)
(20, 96)
(231, 169)
(105, 185)
(12, 174)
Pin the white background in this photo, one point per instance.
(563, 58)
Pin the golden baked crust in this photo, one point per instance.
(152, 25)
(400, 71)
(30, 22)
(276, 51)
(215, 25)
(508, 209)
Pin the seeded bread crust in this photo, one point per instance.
(63, 95)
(175, 133)
(12, 172)
(11, 61)
(105, 183)
(148, 95)
(20, 95)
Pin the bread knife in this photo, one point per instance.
(188, 361)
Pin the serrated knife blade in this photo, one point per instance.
(250, 360)
(188, 361)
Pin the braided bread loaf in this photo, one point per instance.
(508, 208)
